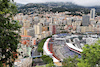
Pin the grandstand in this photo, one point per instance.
(66, 52)
(62, 46)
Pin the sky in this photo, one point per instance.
(79, 2)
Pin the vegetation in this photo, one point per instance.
(98, 13)
(58, 9)
(32, 6)
(32, 63)
(8, 38)
(40, 45)
(47, 59)
(74, 14)
(80, 37)
(53, 7)
(70, 62)
(50, 65)
(90, 57)
(47, 65)
(39, 66)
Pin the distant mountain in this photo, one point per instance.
(51, 5)
(55, 6)
(19, 5)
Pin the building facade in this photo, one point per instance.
(92, 14)
(85, 20)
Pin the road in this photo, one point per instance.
(37, 61)
(35, 52)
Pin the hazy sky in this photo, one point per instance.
(79, 2)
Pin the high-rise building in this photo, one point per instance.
(52, 28)
(85, 20)
(92, 14)
(38, 28)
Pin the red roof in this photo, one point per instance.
(25, 36)
(24, 41)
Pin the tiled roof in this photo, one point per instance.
(25, 36)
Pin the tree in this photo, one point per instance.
(9, 37)
(70, 62)
(47, 59)
(90, 56)
(40, 45)
(40, 49)
(50, 65)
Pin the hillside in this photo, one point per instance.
(53, 7)
(19, 5)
